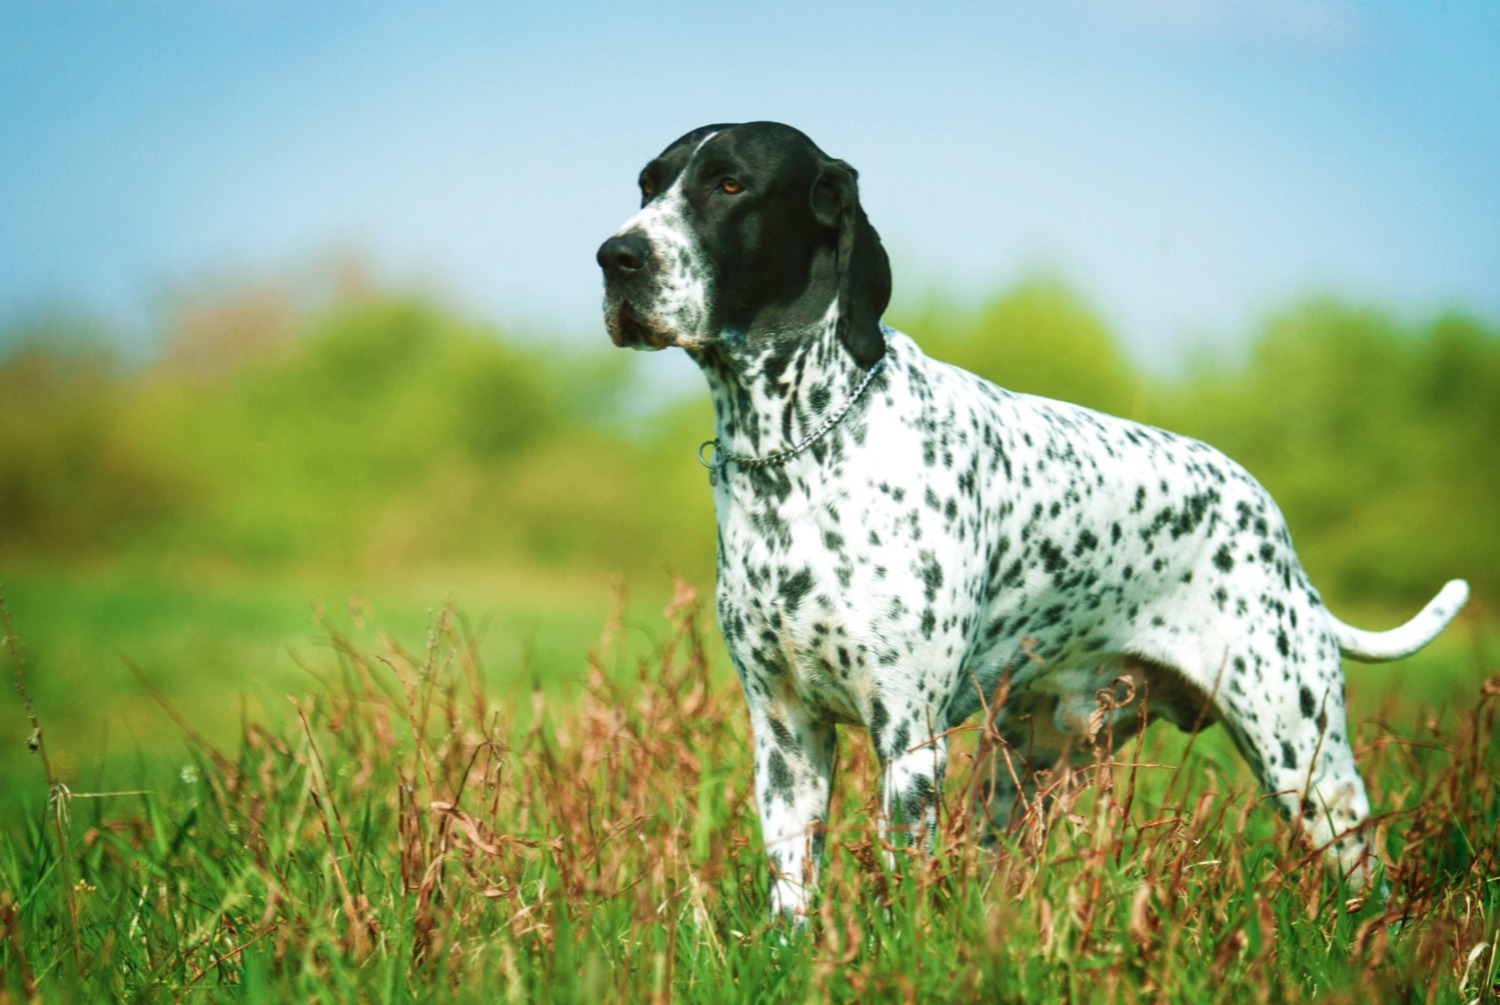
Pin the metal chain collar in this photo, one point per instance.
(723, 458)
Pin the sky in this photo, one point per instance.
(1188, 165)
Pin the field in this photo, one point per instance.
(541, 792)
(313, 623)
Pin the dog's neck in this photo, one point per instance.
(774, 391)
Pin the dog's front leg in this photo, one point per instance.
(793, 772)
(913, 783)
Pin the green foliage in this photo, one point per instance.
(1039, 336)
(72, 481)
(384, 433)
(388, 433)
(299, 456)
(1375, 437)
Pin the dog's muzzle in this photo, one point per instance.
(627, 263)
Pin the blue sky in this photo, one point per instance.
(1188, 164)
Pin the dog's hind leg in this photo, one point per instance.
(1299, 748)
(1014, 793)
(1013, 770)
(1024, 763)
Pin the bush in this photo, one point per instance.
(385, 432)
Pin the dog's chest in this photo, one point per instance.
(791, 611)
(838, 585)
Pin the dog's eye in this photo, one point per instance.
(731, 187)
(647, 189)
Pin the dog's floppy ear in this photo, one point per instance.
(864, 272)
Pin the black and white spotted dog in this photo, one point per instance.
(896, 535)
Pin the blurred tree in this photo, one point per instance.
(297, 454)
(382, 432)
(73, 480)
(1375, 437)
(209, 336)
(1040, 336)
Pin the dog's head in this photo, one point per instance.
(746, 232)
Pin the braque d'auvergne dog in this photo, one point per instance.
(899, 538)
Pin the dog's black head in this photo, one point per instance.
(746, 233)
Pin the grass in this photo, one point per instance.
(417, 827)
(230, 647)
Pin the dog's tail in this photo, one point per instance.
(1399, 643)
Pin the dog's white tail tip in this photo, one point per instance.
(1399, 643)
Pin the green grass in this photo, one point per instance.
(422, 824)
(225, 648)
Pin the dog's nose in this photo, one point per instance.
(623, 254)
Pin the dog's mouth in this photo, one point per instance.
(630, 330)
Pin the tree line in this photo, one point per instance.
(376, 430)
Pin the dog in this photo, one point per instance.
(901, 542)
